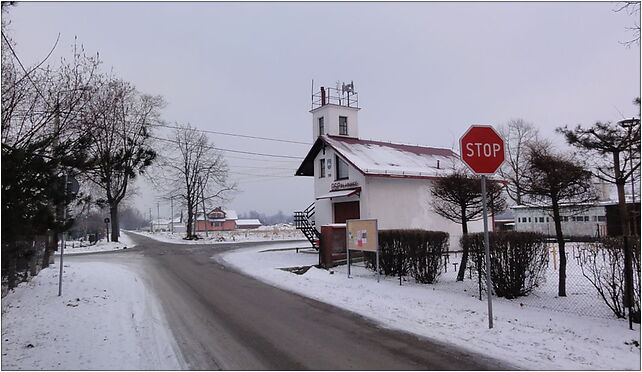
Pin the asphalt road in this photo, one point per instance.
(222, 319)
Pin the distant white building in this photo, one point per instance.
(356, 178)
(590, 221)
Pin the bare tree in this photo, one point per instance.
(553, 181)
(458, 198)
(518, 135)
(195, 172)
(119, 120)
(633, 9)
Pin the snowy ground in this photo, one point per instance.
(264, 233)
(75, 247)
(105, 320)
(527, 336)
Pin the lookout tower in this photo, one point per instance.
(334, 111)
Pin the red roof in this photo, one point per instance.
(380, 158)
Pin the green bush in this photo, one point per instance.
(518, 260)
(418, 253)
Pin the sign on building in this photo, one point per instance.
(362, 235)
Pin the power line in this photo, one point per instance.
(235, 151)
(23, 68)
(235, 134)
(250, 167)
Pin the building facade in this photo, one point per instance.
(356, 178)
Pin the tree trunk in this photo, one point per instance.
(190, 222)
(561, 289)
(464, 256)
(115, 230)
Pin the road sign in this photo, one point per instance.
(482, 149)
(106, 219)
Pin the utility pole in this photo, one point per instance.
(62, 242)
(151, 221)
(200, 181)
(158, 212)
(171, 203)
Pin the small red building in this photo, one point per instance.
(217, 220)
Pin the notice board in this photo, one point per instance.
(362, 235)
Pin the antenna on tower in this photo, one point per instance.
(349, 88)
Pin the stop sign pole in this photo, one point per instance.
(482, 150)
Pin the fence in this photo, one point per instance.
(585, 262)
(23, 259)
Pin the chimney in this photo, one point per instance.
(322, 96)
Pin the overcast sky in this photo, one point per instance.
(424, 71)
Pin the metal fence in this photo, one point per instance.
(587, 264)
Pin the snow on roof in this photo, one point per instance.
(246, 222)
(230, 214)
(385, 158)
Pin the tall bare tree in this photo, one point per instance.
(552, 181)
(195, 172)
(518, 135)
(119, 120)
(458, 198)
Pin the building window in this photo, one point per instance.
(586, 219)
(601, 218)
(529, 219)
(541, 219)
(343, 125)
(342, 169)
(547, 219)
(322, 168)
(321, 127)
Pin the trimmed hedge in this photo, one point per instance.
(518, 260)
(418, 253)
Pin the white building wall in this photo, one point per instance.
(331, 115)
(407, 204)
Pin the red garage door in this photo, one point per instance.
(346, 211)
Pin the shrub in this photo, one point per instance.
(603, 266)
(518, 260)
(415, 252)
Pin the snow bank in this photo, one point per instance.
(105, 320)
(266, 233)
(75, 247)
(530, 338)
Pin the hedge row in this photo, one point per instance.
(418, 253)
(518, 260)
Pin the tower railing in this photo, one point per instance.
(334, 96)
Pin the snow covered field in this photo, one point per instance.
(75, 247)
(263, 233)
(105, 319)
(525, 335)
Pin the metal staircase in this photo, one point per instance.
(304, 221)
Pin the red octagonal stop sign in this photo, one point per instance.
(482, 149)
